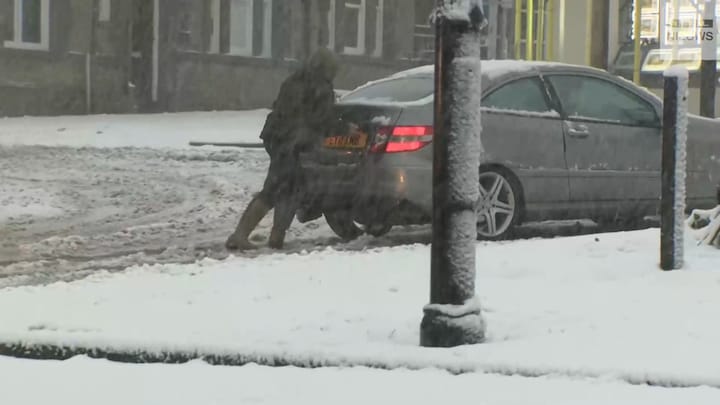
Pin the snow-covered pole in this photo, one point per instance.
(674, 164)
(453, 317)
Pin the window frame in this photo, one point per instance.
(104, 10)
(379, 29)
(423, 33)
(552, 111)
(361, 8)
(626, 89)
(249, 26)
(361, 47)
(331, 25)
(17, 42)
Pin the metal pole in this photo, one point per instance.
(676, 30)
(708, 68)
(89, 55)
(453, 317)
(599, 31)
(550, 49)
(589, 32)
(636, 38)
(674, 154)
(539, 54)
(518, 28)
(530, 18)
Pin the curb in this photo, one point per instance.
(230, 144)
(140, 356)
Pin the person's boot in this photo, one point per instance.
(254, 213)
(277, 238)
(284, 215)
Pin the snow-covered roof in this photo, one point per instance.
(490, 68)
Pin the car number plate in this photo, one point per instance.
(353, 141)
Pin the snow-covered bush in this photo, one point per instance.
(705, 225)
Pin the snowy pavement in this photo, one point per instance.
(79, 194)
(172, 130)
(83, 193)
(587, 306)
(115, 243)
(82, 381)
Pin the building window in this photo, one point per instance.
(424, 36)
(379, 31)
(31, 22)
(354, 25)
(331, 26)
(354, 21)
(241, 27)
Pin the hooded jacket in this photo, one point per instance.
(304, 109)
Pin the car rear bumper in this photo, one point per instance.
(368, 189)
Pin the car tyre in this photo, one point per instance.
(343, 224)
(499, 208)
(378, 230)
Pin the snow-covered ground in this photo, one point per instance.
(87, 192)
(73, 200)
(90, 382)
(85, 220)
(174, 130)
(592, 306)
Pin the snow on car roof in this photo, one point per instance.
(490, 68)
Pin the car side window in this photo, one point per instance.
(519, 95)
(584, 97)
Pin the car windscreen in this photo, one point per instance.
(402, 90)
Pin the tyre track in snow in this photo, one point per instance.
(94, 208)
(109, 209)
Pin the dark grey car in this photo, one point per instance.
(560, 142)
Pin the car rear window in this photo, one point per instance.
(403, 90)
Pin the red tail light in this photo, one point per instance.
(402, 139)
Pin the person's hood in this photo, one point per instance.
(324, 63)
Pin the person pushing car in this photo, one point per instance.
(302, 114)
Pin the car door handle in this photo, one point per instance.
(579, 131)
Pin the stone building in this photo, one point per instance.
(118, 56)
(115, 56)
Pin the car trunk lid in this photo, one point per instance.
(359, 128)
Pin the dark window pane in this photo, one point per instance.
(520, 95)
(351, 27)
(591, 98)
(31, 17)
(399, 90)
(424, 35)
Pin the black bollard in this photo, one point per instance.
(453, 317)
(674, 155)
